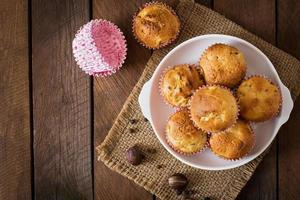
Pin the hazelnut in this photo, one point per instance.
(178, 182)
(134, 156)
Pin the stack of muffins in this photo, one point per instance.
(215, 103)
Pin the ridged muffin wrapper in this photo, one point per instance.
(165, 44)
(237, 159)
(84, 37)
(160, 86)
(177, 150)
(227, 45)
(220, 86)
(268, 79)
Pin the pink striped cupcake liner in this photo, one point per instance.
(99, 48)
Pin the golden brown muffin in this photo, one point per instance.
(234, 143)
(182, 135)
(213, 108)
(156, 25)
(178, 84)
(259, 99)
(223, 64)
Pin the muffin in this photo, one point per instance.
(183, 136)
(156, 25)
(213, 108)
(223, 64)
(178, 84)
(234, 143)
(259, 99)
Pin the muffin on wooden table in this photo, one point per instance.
(178, 83)
(183, 136)
(156, 25)
(259, 98)
(223, 64)
(213, 108)
(234, 143)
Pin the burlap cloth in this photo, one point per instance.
(153, 173)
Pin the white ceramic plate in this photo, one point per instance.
(157, 112)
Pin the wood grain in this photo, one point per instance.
(207, 3)
(61, 103)
(257, 16)
(110, 94)
(15, 161)
(288, 34)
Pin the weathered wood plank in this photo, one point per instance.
(15, 161)
(61, 103)
(257, 16)
(288, 39)
(207, 3)
(110, 94)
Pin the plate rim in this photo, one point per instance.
(283, 88)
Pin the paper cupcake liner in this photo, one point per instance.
(223, 87)
(117, 38)
(165, 44)
(201, 72)
(204, 52)
(236, 159)
(86, 53)
(160, 86)
(176, 149)
(270, 81)
(104, 73)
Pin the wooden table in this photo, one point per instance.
(52, 115)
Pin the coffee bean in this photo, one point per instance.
(159, 166)
(131, 130)
(151, 150)
(132, 121)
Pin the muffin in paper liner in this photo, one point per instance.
(216, 72)
(99, 48)
(259, 108)
(179, 124)
(154, 26)
(188, 78)
(210, 106)
(229, 142)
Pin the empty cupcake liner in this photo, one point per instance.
(270, 81)
(176, 149)
(204, 52)
(237, 159)
(144, 6)
(161, 81)
(237, 104)
(91, 55)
